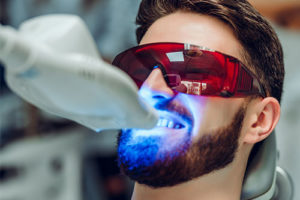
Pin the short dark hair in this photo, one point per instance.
(262, 51)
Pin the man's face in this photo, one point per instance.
(195, 134)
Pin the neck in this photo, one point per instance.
(224, 184)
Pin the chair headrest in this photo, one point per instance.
(261, 167)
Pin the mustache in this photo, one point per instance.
(176, 108)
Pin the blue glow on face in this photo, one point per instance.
(179, 121)
(139, 152)
(173, 111)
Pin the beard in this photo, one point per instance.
(148, 161)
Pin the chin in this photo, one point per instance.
(166, 156)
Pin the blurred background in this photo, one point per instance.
(46, 157)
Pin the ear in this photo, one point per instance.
(261, 119)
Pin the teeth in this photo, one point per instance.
(164, 122)
(159, 122)
(169, 124)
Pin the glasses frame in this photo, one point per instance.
(243, 83)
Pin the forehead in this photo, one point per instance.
(192, 28)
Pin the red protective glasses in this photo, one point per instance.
(190, 69)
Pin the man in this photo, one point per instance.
(214, 71)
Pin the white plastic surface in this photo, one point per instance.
(53, 63)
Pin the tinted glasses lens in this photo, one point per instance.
(200, 72)
(190, 69)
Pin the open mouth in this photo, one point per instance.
(169, 120)
(167, 123)
(163, 122)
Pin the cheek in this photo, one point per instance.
(174, 142)
(197, 106)
(217, 113)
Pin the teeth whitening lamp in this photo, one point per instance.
(53, 62)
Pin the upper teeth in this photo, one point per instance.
(168, 123)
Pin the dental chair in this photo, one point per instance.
(264, 180)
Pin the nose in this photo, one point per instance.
(155, 87)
